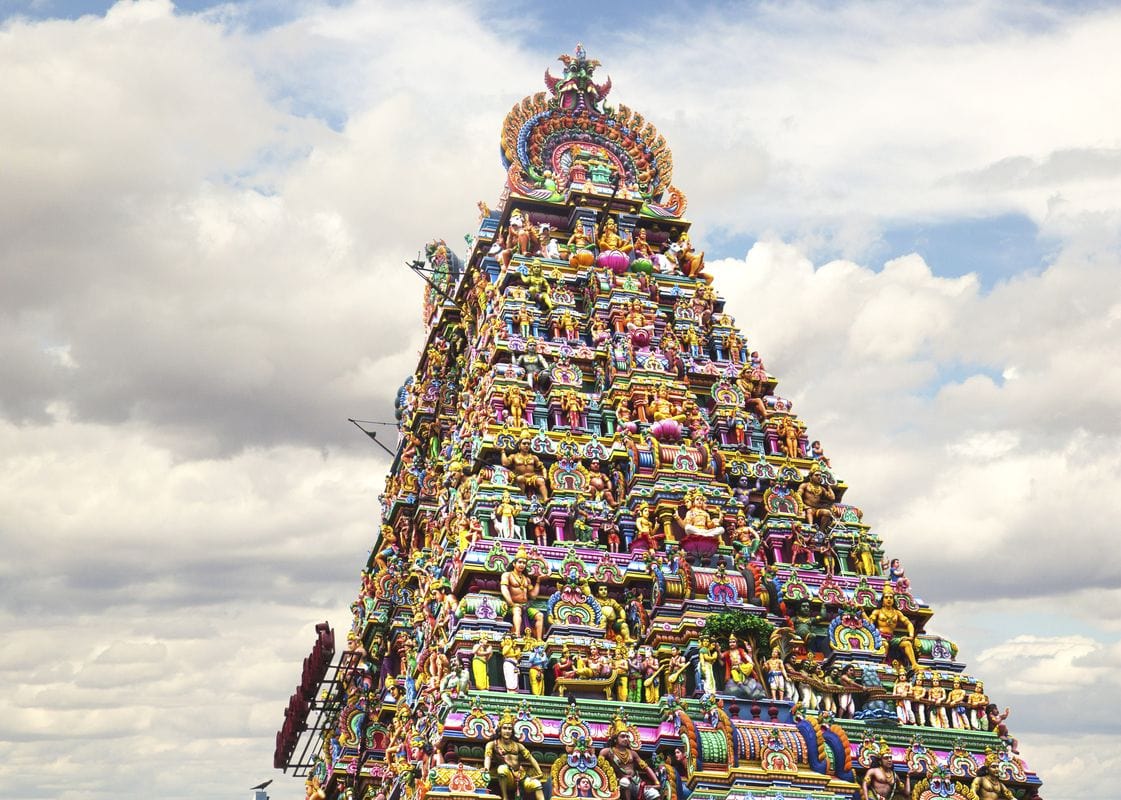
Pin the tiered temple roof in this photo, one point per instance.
(613, 562)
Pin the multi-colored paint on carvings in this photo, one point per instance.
(612, 561)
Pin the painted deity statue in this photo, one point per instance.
(697, 520)
(518, 589)
(580, 249)
(864, 556)
(511, 655)
(777, 678)
(614, 616)
(902, 693)
(894, 627)
(741, 674)
(787, 430)
(610, 238)
(528, 469)
(706, 660)
(630, 770)
(817, 498)
(505, 518)
(881, 783)
(511, 763)
(515, 400)
(480, 661)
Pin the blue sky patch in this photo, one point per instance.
(995, 248)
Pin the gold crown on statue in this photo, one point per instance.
(619, 723)
(507, 718)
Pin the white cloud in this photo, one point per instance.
(1045, 664)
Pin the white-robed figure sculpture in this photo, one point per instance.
(697, 520)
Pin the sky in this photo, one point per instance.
(914, 212)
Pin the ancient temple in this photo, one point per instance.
(612, 562)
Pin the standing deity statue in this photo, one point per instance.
(518, 589)
(978, 701)
(936, 697)
(959, 711)
(505, 518)
(707, 656)
(572, 404)
(787, 430)
(775, 672)
(864, 555)
(538, 660)
(480, 662)
(676, 668)
(902, 693)
(515, 400)
(511, 655)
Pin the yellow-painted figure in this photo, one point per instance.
(528, 469)
(955, 701)
(937, 698)
(894, 627)
(864, 556)
(709, 655)
(480, 658)
(787, 431)
(610, 238)
(619, 667)
(515, 399)
(977, 702)
(614, 617)
(511, 763)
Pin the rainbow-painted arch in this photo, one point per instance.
(538, 136)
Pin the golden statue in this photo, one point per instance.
(511, 763)
(528, 469)
(889, 620)
(614, 617)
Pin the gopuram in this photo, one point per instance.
(612, 561)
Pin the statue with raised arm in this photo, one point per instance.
(518, 589)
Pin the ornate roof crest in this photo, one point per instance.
(575, 89)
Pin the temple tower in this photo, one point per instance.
(612, 561)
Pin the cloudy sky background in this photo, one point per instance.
(204, 213)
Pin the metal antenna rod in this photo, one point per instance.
(373, 436)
